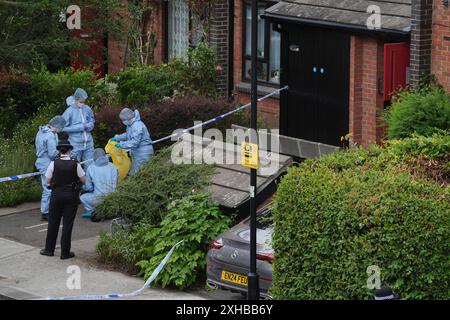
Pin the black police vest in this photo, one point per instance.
(65, 174)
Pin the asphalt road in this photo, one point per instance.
(27, 228)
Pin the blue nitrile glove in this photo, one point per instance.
(117, 145)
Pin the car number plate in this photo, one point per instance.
(234, 278)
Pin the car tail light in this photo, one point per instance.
(216, 244)
(265, 257)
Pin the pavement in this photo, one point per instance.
(25, 274)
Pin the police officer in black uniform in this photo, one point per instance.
(64, 176)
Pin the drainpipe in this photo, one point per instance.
(230, 47)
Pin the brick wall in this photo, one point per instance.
(421, 36)
(160, 32)
(118, 49)
(268, 110)
(219, 41)
(440, 58)
(366, 67)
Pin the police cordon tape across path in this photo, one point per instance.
(119, 295)
(172, 136)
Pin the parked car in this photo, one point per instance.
(228, 260)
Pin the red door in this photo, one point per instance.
(92, 57)
(396, 67)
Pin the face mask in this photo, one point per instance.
(126, 122)
(56, 130)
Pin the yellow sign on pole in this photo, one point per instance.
(250, 155)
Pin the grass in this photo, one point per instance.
(17, 158)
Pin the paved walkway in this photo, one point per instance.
(25, 274)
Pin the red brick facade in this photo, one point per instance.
(366, 102)
(268, 110)
(440, 57)
(366, 69)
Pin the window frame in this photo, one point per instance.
(267, 53)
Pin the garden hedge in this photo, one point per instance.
(336, 216)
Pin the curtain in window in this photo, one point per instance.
(178, 28)
(275, 58)
(261, 31)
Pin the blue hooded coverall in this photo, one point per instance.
(101, 179)
(46, 142)
(79, 136)
(138, 141)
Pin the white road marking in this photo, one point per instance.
(47, 229)
(37, 225)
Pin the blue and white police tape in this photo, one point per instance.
(34, 174)
(204, 123)
(172, 136)
(124, 295)
(18, 177)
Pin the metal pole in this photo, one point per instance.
(253, 278)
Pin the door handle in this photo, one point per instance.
(294, 48)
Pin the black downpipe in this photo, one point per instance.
(230, 47)
(253, 279)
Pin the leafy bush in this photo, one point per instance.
(424, 157)
(26, 130)
(423, 111)
(192, 219)
(336, 216)
(144, 197)
(124, 248)
(165, 117)
(54, 88)
(198, 74)
(16, 101)
(22, 95)
(140, 86)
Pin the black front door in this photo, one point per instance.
(316, 67)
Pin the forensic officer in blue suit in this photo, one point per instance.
(80, 123)
(136, 139)
(101, 179)
(46, 142)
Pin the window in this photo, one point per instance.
(269, 46)
(185, 27)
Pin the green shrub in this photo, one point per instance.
(26, 130)
(145, 196)
(16, 101)
(23, 96)
(50, 88)
(166, 116)
(124, 248)
(336, 216)
(140, 86)
(195, 220)
(197, 76)
(423, 111)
